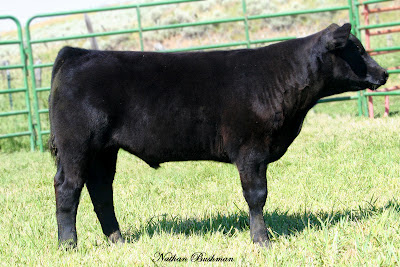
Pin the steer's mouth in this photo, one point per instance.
(370, 85)
(375, 83)
(375, 86)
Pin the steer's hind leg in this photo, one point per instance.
(99, 185)
(252, 170)
(68, 184)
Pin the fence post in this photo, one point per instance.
(140, 27)
(354, 20)
(38, 74)
(351, 15)
(9, 87)
(90, 30)
(246, 23)
(31, 68)
(8, 77)
(362, 99)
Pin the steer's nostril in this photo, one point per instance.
(386, 75)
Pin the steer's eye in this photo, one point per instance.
(360, 49)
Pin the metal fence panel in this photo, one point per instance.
(38, 109)
(366, 96)
(243, 20)
(24, 108)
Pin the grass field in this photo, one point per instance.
(333, 200)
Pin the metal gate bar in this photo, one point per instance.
(24, 89)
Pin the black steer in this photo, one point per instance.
(240, 106)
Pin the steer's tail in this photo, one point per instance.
(65, 54)
(56, 67)
(53, 148)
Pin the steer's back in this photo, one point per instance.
(160, 107)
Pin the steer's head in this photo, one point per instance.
(345, 63)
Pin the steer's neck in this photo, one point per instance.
(297, 83)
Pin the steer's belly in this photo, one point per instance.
(162, 138)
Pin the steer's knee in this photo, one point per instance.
(255, 198)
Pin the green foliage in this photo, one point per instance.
(333, 200)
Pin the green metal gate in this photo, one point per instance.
(362, 27)
(243, 21)
(39, 110)
(37, 122)
(26, 108)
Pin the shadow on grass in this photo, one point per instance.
(279, 222)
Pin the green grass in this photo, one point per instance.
(333, 200)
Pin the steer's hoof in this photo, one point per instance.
(263, 244)
(262, 241)
(116, 238)
(69, 244)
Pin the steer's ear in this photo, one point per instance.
(336, 37)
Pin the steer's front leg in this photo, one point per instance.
(254, 183)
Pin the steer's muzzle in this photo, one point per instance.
(380, 79)
(384, 78)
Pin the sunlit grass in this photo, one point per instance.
(333, 199)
